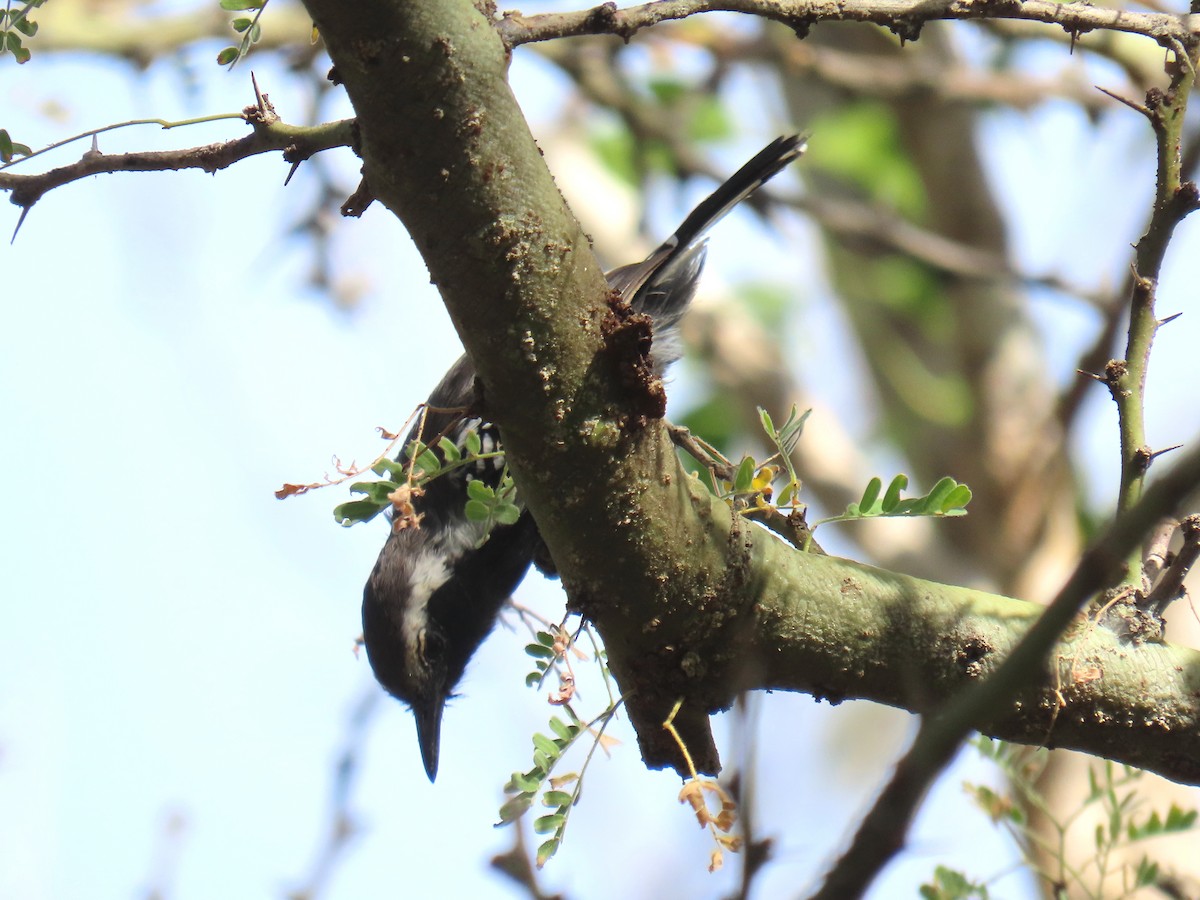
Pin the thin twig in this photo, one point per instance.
(904, 17)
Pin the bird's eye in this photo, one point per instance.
(430, 645)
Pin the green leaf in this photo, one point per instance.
(477, 490)
(767, 425)
(870, 496)
(450, 451)
(19, 150)
(528, 782)
(547, 746)
(20, 54)
(227, 56)
(556, 799)
(892, 498)
(238, 5)
(354, 511)
(546, 850)
(1179, 819)
(533, 679)
(951, 885)
(507, 513)
(789, 435)
(539, 650)
(391, 468)
(548, 824)
(940, 491)
(956, 502)
(477, 511)
(515, 807)
(473, 443)
(377, 491)
(429, 462)
(744, 479)
(562, 729)
(1147, 873)
(1093, 784)
(240, 25)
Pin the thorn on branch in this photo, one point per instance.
(262, 112)
(1169, 319)
(295, 154)
(1137, 107)
(1076, 31)
(20, 222)
(1157, 453)
(95, 150)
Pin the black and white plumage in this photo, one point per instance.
(436, 590)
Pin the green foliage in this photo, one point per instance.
(10, 148)
(544, 655)
(946, 498)
(1112, 803)
(421, 464)
(701, 116)
(248, 28)
(749, 486)
(492, 506)
(523, 788)
(948, 884)
(559, 794)
(785, 440)
(15, 26)
(861, 143)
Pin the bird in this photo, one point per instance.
(437, 589)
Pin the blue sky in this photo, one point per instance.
(175, 643)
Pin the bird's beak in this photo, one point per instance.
(429, 730)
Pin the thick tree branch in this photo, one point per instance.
(691, 601)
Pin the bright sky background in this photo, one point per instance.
(175, 644)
